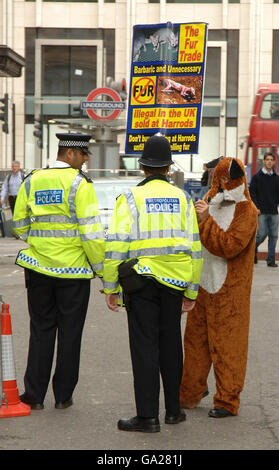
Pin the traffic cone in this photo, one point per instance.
(11, 406)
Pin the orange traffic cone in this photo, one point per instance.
(11, 406)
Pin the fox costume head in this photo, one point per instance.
(229, 182)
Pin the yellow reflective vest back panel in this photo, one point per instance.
(155, 223)
(57, 214)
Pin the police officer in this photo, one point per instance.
(57, 214)
(153, 249)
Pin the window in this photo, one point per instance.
(89, 1)
(213, 72)
(78, 68)
(270, 106)
(68, 70)
(275, 61)
(194, 1)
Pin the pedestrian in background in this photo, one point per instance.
(57, 214)
(153, 250)
(11, 185)
(264, 191)
(274, 111)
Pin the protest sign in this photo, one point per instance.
(166, 85)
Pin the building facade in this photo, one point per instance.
(71, 47)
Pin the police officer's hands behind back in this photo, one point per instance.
(187, 305)
(102, 290)
(111, 300)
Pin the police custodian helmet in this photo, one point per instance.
(156, 152)
(74, 141)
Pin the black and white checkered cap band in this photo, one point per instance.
(73, 143)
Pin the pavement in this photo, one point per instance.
(104, 392)
(9, 248)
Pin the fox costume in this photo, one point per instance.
(217, 328)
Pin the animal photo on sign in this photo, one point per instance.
(155, 44)
(179, 90)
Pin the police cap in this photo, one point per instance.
(74, 141)
(156, 152)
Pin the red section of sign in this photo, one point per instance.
(103, 91)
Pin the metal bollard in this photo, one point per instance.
(178, 178)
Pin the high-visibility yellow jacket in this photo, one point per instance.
(57, 214)
(155, 223)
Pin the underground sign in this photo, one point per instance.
(115, 105)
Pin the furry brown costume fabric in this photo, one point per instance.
(217, 328)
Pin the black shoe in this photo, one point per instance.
(174, 419)
(28, 401)
(65, 404)
(219, 412)
(139, 424)
(272, 265)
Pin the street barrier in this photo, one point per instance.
(10, 405)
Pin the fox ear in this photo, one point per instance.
(235, 170)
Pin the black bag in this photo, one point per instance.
(129, 279)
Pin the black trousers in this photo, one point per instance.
(154, 320)
(56, 306)
(12, 201)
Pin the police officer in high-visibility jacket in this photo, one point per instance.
(57, 214)
(153, 250)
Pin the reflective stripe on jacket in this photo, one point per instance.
(57, 214)
(155, 223)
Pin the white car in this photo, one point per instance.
(108, 189)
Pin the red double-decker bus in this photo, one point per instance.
(264, 128)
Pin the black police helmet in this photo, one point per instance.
(156, 152)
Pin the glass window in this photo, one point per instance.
(68, 70)
(275, 61)
(232, 63)
(30, 36)
(89, 1)
(80, 60)
(194, 1)
(55, 70)
(249, 156)
(270, 106)
(213, 72)
(83, 64)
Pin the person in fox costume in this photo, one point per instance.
(217, 328)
